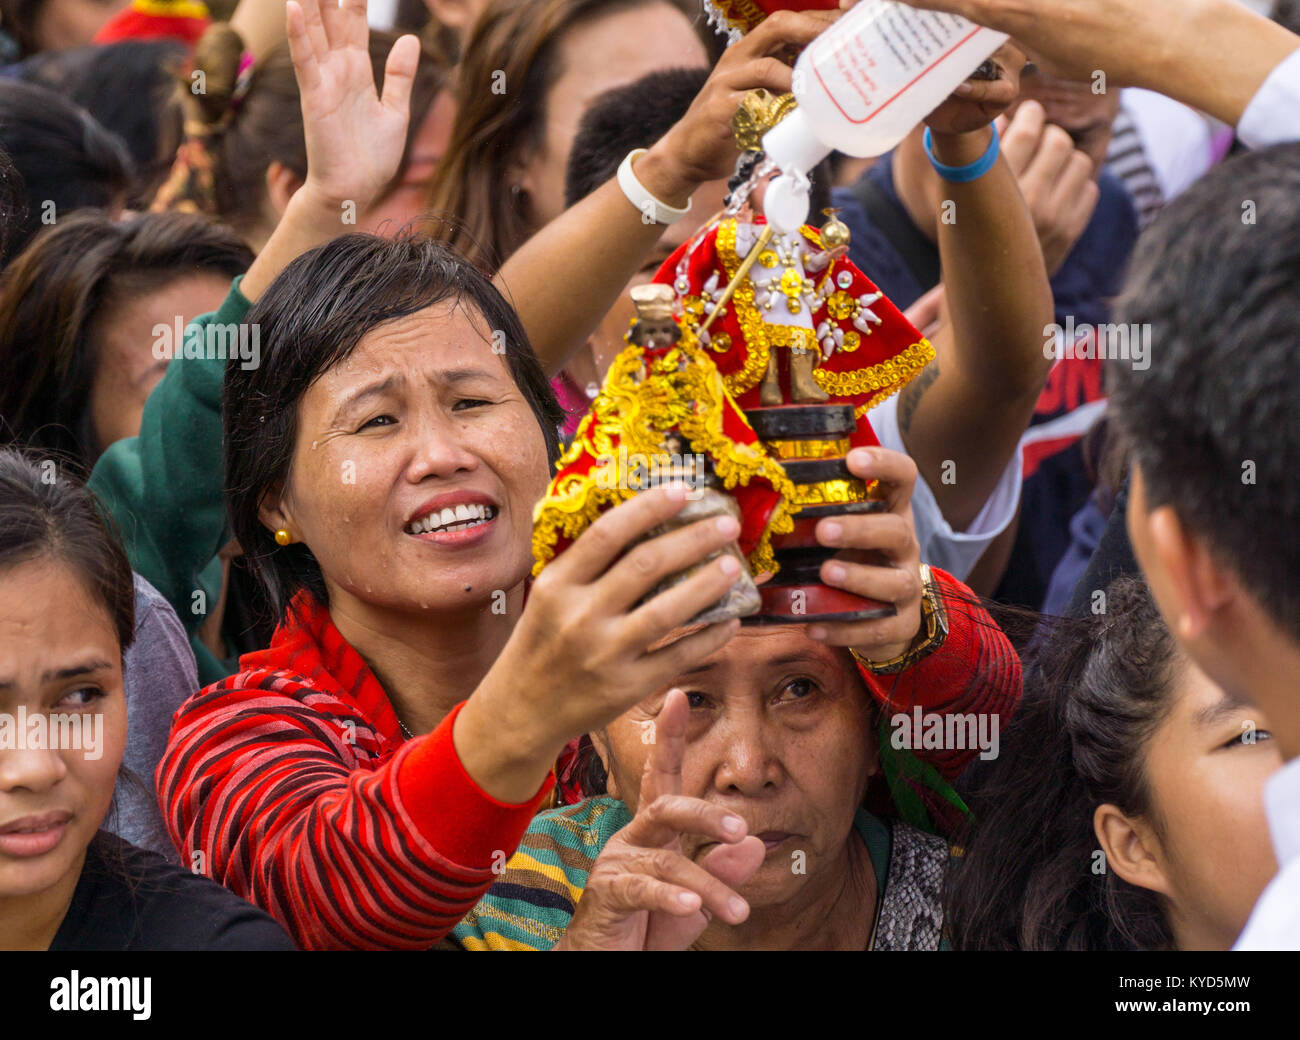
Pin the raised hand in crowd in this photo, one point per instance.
(355, 135)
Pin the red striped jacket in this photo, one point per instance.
(292, 785)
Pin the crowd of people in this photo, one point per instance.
(300, 307)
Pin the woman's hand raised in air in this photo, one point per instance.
(643, 893)
(355, 136)
(584, 650)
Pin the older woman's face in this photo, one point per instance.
(417, 464)
(780, 733)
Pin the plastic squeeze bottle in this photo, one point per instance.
(862, 85)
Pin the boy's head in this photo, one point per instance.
(1213, 427)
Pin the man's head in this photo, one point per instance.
(1213, 427)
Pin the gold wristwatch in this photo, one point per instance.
(934, 623)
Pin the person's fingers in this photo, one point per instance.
(652, 561)
(895, 471)
(663, 766)
(354, 30)
(925, 311)
(675, 606)
(687, 652)
(735, 864)
(1054, 151)
(767, 73)
(628, 893)
(890, 534)
(669, 816)
(334, 22)
(320, 43)
(1084, 205)
(668, 867)
(301, 51)
(990, 92)
(889, 584)
(781, 30)
(399, 74)
(1021, 137)
(1076, 173)
(606, 539)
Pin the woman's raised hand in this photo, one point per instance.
(355, 137)
(643, 893)
(584, 649)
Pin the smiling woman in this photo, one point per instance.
(382, 464)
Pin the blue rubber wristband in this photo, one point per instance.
(963, 174)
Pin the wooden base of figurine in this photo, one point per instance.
(811, 440)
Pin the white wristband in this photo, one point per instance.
(652, 210)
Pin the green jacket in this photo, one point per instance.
(165, 490)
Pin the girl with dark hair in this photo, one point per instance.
(1126, 810)
(127, 87)
(66, 617)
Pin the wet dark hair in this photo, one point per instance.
(1095, 692)
(47, 513)
(312, 318)
(127, 86)
(1211, 419)
(63, 156)
(54, 296)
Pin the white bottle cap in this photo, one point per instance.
(785, 203)
(792, 145)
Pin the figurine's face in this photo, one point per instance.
(658, 332)
(781, 733)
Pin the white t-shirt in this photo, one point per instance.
(953, 551)
(1275, 922)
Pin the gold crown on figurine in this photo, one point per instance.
(653, 302)
(759, 111)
